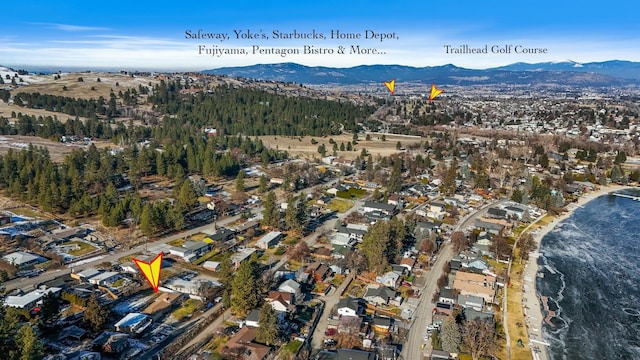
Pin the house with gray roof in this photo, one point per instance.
(379, 295)
(22, 259)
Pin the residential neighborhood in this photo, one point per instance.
(305, 245)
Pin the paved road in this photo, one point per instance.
(330, 301)
(310, 240)
(113, 256)
(28, 284)
(423, 315)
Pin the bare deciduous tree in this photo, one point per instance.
(459, 241)
(479, 338)
(526, 244)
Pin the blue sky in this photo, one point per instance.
(151, 35)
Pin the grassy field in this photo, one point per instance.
(84, 248)
(109, 82)
(516, 324)
(56, 149)
(28, 212)
(340, 205)
(303, 147)
(187, 308)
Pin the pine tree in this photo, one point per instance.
(290, 215)
(269, 330)
(374, 246)
(95, 315)
(263, 184)
(50, 309)
(270, 211)
(246, 288)
(449, 185)
(225, 274)
(187, 197)
(146, 220)
(240, 181)
(29, 347)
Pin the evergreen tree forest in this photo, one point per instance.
(232, 110)
(258, 112)
(84, 184)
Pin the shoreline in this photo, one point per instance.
(531, 302)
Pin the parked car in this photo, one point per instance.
(330, 332)
(330, 342)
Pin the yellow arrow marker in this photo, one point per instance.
(434, 92)
(151, 270)
(391, 85)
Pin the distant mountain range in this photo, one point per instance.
(607, 73)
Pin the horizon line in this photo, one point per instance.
(73, 68)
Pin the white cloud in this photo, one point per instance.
(142, 52)
(69, 27)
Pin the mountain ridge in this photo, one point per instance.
(569, 72)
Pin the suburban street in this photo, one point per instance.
(423, 315)
(113, 256)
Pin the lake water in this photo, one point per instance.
(593, 281)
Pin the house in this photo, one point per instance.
(390, 279)
(242, 343)
(253, 318)
(476, 265)
(425, 228)
(111, 342)
(191, 250)
(86, 274)
(447, 296)
(436, 210)
(292, 287)
(163, 303)
(319, 271)
(353, 231)
(482, 285)
(515, 211)
(31, 299)
(104, 278)
(270, 240)
(381, 324)
(22, 259)
(133, 323)
(379, 295)
(471, 314)
(241, 256)
(61, 236)
(483, 244)
(342, 239)
(496, 213)
(439, 355)
(395, 200)
(222, 235)
(470, 301)
(212, 265)
(282, 302)
(374, 206)
(408, 263)
(246, 226)
(491, 227)
(193, 288)
(349, 307)
(351, 354)
(443, 308)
